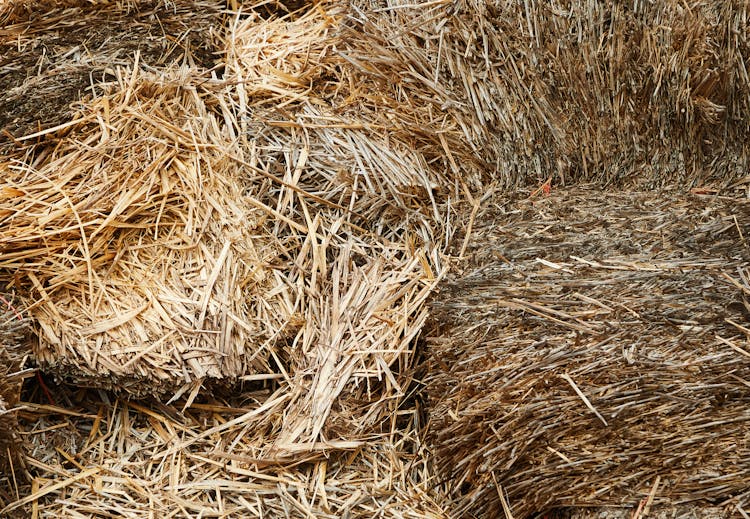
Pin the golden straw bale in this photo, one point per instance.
(359, 195)
(114, 456)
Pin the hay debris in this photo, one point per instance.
(595, 352)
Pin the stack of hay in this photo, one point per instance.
(279, 225)
(595, 352)
(283, 220)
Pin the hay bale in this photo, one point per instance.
(360, 200)
(652, 93)
(595, 352)
(348, 202)
(55, 52)
(657, 512)
(137, 247)
(343, 210)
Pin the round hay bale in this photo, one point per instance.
(595, 351)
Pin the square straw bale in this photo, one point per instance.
(360, 196)
(647, 93)
(133, 459)
(143, 257)
(595, 353)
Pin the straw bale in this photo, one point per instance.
(359, 197)
(141, 253)
(55, 52)
(595, 351)
(285, 224)
(658, 512)
(104, 457)
(653, 93)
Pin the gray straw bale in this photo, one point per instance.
(652, 93)
(595, 351)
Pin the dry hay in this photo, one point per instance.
(52, 53)
(649, 92)
(353, 214)
(99, 456)
(687, 511)
(331, 155)
(595, 351)
(351, 201)
(141, 257)
(326, 213)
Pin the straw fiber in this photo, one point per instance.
(227, 222)
(594, 352)
(13, 353)
(305, 222)
(99, 456)
(359, 201)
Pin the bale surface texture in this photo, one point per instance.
(96, 455)
(53, 53)
(594, 351)
(653, 93)
(138, 248)
(264, 194)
